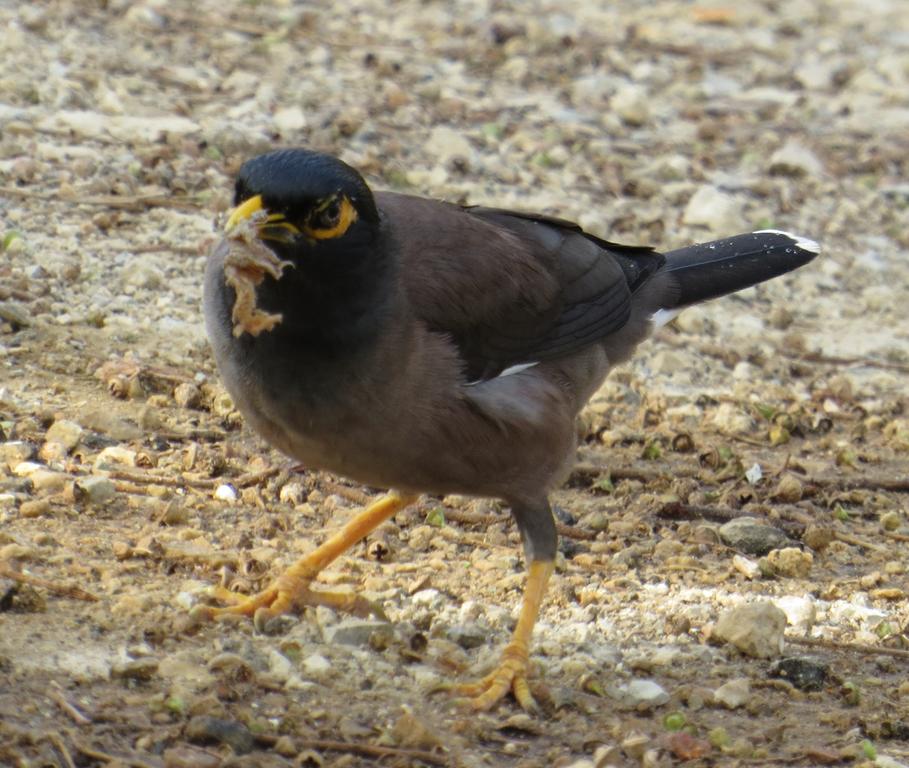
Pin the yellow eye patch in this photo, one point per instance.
(332, 219)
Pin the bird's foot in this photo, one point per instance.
(289, 593)
(292, 590)
(509, 675)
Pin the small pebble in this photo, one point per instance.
(52, 453)
(644, 694)
(286, 747)
(26, 468)
(804, 672)
(115, 457)
(751, 536)
(354, 631)
(789, 489)
(734, 694)
(34, 508)
(790, 561)
(226, 492)
(14, 452)
(891, 520)
(714, 209)
(754, 474)
(801, 612)
(138, 669)
(468, 636)
(755, 629)
(67, 433)
(315, 665)
(187, 395)
(632, 104)
(293, 493)
(45, 480)
(748, 568)
(214, 730)
(189, 757)
(449, 147)
(795, 159)
(818, 537)
(94, 490)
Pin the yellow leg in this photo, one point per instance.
(511, 674)
(291, 590)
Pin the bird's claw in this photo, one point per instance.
(283, 597)
(509, 676)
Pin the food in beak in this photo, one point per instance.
(247, 262)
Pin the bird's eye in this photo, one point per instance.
(332, 219)
(328, 217)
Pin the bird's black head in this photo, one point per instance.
(307, 199)
(317, 214)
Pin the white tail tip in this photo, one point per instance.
(800, 242)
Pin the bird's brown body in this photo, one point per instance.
(432, 348)
(402, 411)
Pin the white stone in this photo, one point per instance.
(646, 693)
(142, 274)
(692, 320)
(115, 456)
(315, 665)
(795, 159)
(632, 104)
(748, 568)
(801, 612)
(447, 145)
(734, 694)
(226, 492)
(730, 420)
(666, 361)
(290, 119)
(744, 371)
(756, 629)
(718, 211)
(754, 474)
(25, 468)
(67, 433)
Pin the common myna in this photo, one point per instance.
(426, 347)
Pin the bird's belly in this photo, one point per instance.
(393, 430)
(346, 437)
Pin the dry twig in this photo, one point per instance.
(678, 511)
(345, 492)
(370, 750)
(897, 485)
(835, 645)
(125, 202)
(97, 754)
(242, 481)
(57, 742)
(57, 588)
(55, 694)
(848, 538)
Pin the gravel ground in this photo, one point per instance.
(734, 591)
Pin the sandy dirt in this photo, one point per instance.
(129, 484)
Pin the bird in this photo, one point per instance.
(428, 347)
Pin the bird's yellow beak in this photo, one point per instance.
(273, 226)
(243, 211)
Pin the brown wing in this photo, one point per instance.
(510, 288)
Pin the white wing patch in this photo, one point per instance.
(510, 371)
(516, 369)
(663, 316)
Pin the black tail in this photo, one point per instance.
(709, 270)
